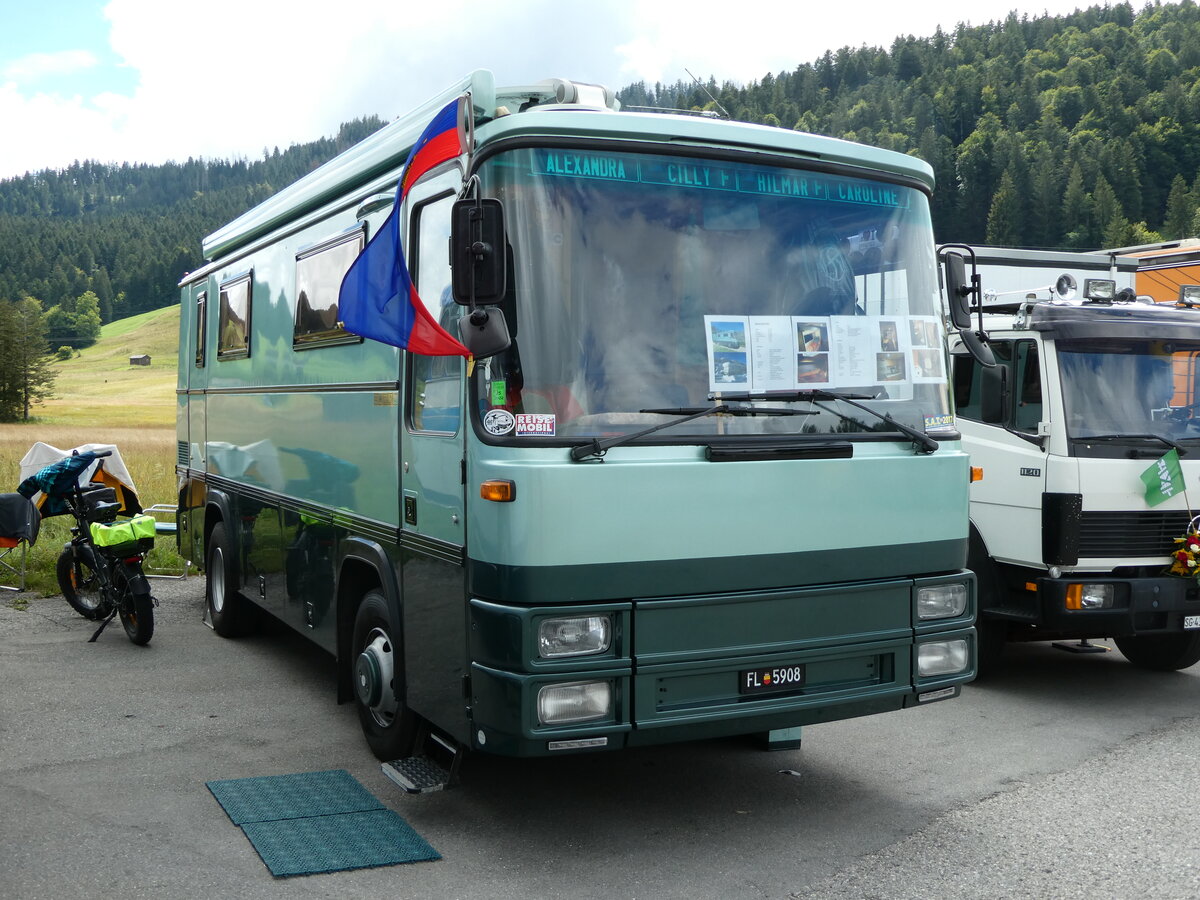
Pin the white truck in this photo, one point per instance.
(1091, 387)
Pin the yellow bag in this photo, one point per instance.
(135, 530)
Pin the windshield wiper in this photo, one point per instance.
(1147, 435)
(924, 443)
(596, 448)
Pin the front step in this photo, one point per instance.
(432, 767)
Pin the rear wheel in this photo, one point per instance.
(226, 606)
(138, 618)
(80, 585)
(1161, 652)
(378, 675)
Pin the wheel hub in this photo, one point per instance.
(373, 677)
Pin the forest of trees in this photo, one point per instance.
(1077, 132)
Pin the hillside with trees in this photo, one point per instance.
(1079, 132)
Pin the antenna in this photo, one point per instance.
(715, 101)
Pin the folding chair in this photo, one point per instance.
(20, 522)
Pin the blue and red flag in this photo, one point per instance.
(377, 299)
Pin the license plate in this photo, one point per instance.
(1190, 622)
(773, 679)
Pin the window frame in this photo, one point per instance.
(241, 351)
(337, 335)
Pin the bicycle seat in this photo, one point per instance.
(103, 511)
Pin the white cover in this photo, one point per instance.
(41, 455)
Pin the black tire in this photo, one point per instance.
(227, 608)
(1161, 652)
(137, 615)
(377, 673)
(80, 586)
(991, 634)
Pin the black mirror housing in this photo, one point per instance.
(958, 290)
(484, 332)
(477, 256)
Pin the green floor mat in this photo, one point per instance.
(318, 822)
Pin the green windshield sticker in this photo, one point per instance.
(499, 393)
(699, 175)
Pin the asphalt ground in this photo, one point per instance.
(1067, 777)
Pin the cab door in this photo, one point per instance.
(1001, 416)
(191, 421)
(433, 529)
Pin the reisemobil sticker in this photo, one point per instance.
(535, 423)
(498, 421)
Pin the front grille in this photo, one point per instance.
(1107, 534)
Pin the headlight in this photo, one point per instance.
(574, 636)
(942, 657)
(941, 601)
(576, 701)
(1090, 596)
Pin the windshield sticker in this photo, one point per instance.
(498, 421)
(780, 353)
(541, 424)
(942, 421)
(499, 392)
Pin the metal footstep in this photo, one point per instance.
(433, 767)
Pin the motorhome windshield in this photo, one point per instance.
(1134, 387)
(641, 285)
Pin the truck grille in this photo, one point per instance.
(1106, 534)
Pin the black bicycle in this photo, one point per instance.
(100, 568)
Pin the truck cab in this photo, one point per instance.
(1092, 396)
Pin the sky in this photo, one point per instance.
(148, 81)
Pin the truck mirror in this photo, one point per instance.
(958, 290)
(993, 388)
(477, 257)
(484, 332)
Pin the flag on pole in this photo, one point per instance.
(1164, 479)
(377, 299)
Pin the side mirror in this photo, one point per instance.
(993, 387)
(484, 332)
(958, 290)
(477, 257)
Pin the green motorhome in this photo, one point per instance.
(708, 484)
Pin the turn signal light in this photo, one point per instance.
(976, 474)
(498, 491)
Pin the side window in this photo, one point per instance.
(233, 321)
(1027, 408)
(435, 382)
(319, 273)
(976, 390)
(201, 329)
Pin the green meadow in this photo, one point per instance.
(101, 398)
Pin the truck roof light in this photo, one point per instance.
(1099, 290)
(1189, 295)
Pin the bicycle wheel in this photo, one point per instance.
(80, 585)
(136, 610)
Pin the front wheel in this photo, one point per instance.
(378, 672)
(1161, 652)
(80, 585)
(226, 606)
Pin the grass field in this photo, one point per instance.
(101, 398)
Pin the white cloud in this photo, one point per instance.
(36, 66)
(228, 78)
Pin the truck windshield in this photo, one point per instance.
(641, 285)
(1130, 387)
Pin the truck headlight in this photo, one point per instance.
(942, 657)
(1090, 596)
(574, 636)
(576, 701)
(941, 601)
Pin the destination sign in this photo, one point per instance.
(700, 175)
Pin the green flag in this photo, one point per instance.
(1164, 479)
